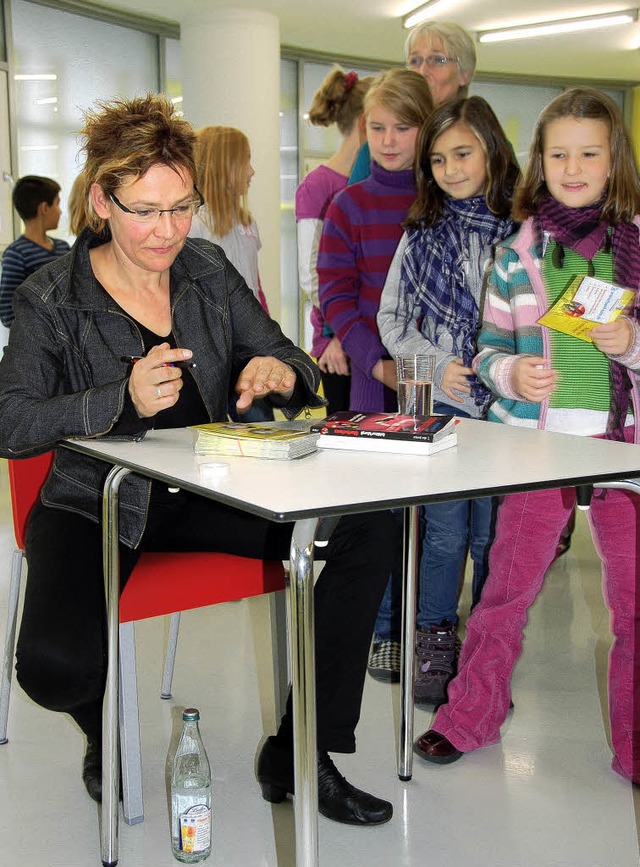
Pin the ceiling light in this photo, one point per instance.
(35, 77)
(420, 14)
(561, 25)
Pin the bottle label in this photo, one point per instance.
(195, 829)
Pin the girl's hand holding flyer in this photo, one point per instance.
(584, 303)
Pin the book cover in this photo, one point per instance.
(390, 446)
(276, 440)
(386, 426)
(584, 303)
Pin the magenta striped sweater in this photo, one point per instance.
(361, 231)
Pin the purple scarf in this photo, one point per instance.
(582, 230)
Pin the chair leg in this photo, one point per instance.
(130, 755)
(9, 643)
(170, 658)
(279, 646)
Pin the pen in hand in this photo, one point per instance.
(185, 365)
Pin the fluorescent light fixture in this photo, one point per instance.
(562, 25)
(46, 100)
(176, 100)
(420, 14)
(35, 77)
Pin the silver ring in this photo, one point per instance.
(158, 392)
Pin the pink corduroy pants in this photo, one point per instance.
(527, 532)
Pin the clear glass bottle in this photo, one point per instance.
(190, 794)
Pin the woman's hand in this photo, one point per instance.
(613, 338)
(532, 378)
(264, 374)
(334, 359)
(454, 379)
(385, 372)
(153, 384)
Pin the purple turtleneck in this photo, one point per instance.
(361, 231)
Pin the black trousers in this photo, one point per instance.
(61, 651)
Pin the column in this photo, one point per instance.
(231, 77)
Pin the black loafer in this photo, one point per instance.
(92, 770)
(434, 747)
(337, 798)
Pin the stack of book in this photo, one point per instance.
(280, 440)
(387, 432)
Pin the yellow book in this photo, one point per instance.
(586, 302)
(280, 440)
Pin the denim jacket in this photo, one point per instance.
(62, 373)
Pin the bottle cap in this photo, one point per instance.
(190, 714)
(213, 471)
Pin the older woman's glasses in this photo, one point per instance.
(152, 215)
(433, 61)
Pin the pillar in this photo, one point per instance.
(231, 77)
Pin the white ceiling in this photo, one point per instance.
(372, 29)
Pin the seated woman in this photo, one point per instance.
(135, 285)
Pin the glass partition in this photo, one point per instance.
(64, 63)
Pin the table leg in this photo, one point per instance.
(632, 485)
(303, 692)
(110, 760)
(410, 562)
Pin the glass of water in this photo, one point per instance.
(415, 384)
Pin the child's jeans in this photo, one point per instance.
(446, 529)
(527, 531)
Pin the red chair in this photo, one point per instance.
(150, 591)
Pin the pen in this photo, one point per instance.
(185, 365)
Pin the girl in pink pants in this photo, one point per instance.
(578, 201)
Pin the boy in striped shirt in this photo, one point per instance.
(37, 201)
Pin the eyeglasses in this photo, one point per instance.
(152, 215)
(433, 61)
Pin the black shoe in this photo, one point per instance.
(337, 798)
(92, 770)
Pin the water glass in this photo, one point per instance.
(415, 384)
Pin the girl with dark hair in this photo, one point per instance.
(431, 304)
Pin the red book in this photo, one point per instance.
(385, 425)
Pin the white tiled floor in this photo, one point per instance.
(544, 797)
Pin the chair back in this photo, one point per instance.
(26, 477)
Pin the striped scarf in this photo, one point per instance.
(582, 230)
(443, 265)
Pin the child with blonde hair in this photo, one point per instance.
(579, 200)
(223, 162)
(361, 232)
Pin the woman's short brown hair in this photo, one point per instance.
(124, 138)
(622, 196)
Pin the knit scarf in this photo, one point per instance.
(441, 266)
(582, 230)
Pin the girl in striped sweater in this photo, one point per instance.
(579, 201)
(361, 232)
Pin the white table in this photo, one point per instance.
(490, 459)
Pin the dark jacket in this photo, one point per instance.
(62, 373)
